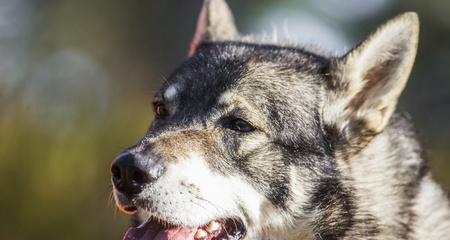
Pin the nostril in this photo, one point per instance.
(130, 173)
(115, 171)
(139, 177)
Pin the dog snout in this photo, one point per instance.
(130, 173)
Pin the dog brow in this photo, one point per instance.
(226, 98)
(171, 92)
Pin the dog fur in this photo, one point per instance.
(296, 144)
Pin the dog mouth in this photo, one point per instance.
(157, 229)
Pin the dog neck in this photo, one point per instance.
(390, 164)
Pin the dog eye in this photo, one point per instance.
(240, 125)
(159, 109)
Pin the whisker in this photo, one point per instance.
(209, 202)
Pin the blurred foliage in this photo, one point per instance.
(77, 88)
(55, 184)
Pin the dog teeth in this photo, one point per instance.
(200, 234)
(207, 232)
(213, 227)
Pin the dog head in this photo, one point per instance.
(248, 136)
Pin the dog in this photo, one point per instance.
(254, 139)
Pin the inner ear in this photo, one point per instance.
(370, 78)
(377, 82)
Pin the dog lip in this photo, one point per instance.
(130, 209)
(124, 203)
(127, 209)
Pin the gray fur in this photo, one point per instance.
(327, 158)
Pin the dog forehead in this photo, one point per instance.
(255, 77)
(218, 67)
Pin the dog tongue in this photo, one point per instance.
(176, 234)
(154, 232)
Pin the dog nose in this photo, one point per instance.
(128, 175)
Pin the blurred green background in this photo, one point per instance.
(77, 78)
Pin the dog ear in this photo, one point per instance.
(215, 22)
(367, 82)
